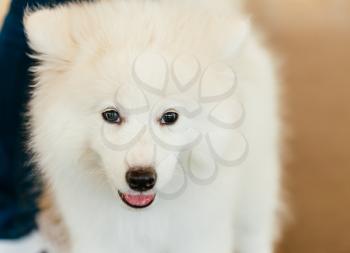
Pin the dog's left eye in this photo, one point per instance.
(169, 118)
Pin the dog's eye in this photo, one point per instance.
(112, 116)
(169, 118)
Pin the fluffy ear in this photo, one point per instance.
(49, 33)
(240, 35)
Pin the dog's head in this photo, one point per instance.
(120, 89)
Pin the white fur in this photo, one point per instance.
(86, 53)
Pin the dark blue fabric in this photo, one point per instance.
(17, 185)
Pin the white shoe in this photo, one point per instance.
(32, 243)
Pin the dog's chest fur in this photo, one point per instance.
(103, 224)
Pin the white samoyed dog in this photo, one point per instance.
(155, 126)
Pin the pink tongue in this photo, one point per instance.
(139, 199)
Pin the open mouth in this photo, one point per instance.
(137, 200)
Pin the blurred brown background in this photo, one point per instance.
(3, 8)
(312, 38)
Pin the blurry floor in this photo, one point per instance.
(313, 39)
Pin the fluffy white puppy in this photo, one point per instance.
(155, 126)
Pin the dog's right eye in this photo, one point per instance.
(112, 116)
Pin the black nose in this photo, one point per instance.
(141, 179)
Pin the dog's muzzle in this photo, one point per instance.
(141, 181)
